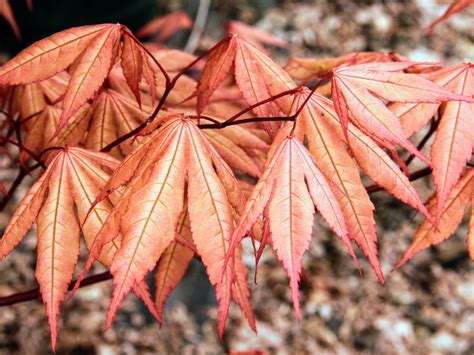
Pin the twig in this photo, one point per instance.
(198, 27)
(23, 148)
(19, 178)
(270, 99)
(219, 125)
(424, 140)
(35, 293)
(413, 176)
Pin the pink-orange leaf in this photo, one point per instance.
(451, 217)
(148, 231)
(166, 25)
(58, 51)
(455, 7)
(454, 140)
(254, 35)
(327, 147)
(173, 264)
(90, 71)
(216, 69)
(132, 64)
(291, 186)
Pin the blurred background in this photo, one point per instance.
(426, 307)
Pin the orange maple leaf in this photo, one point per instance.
(72, 180)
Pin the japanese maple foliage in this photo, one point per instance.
(155, 167)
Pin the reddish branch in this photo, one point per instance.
(35, 293)
(218, 125)
(18, 180)
(413, 176)
(425, 139)
(23, 148)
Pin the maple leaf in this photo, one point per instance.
(90, 71)
(41, 134)
(454, 139)
(327, 148)
(61, 49)
(166, 25)
(258, 78)
(254, 35)
(113, 116)
(352, 88)
(291, 186)
(335, 160)
(155, 174)
(173, 263)
(89, 52)
(324, 144)
(312, 68)
(255, 74)
(455, 7)
(72, 179)
(451, 217)
(7, 13)
(216, 69)
(372, 159)
(132, 64)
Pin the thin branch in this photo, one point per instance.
(224, 124)
(35, 293)
(270, 99)
(28, 118)
(198, 27)
(23, 148)
(18, 180)
(413, 176)
(424, 140)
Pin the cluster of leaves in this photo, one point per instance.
(178, 180)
